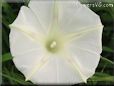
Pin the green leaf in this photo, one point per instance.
(20, 81)
(105, 64)
(26, 2)
(13, 76)
(107, 60)
(5, 37)
(107, 49)
(6, 57)
(102, 77)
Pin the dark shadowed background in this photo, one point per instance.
(105, 71)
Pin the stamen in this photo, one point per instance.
(53, 44)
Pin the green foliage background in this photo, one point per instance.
(105, 71)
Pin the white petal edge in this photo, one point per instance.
(43, 11)
(27, 18)
(76, 16)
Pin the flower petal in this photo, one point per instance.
(21, 44)
(86, 51)
(87, 62)
(24, 51)
(42, 75)
(75, 17)
(91, 41)
(27, 61)
(66, 73)
(61, 73)
(27, 19)
(43, 11)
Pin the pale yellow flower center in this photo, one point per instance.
(52, 46)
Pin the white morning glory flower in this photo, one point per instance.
(56, 42)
